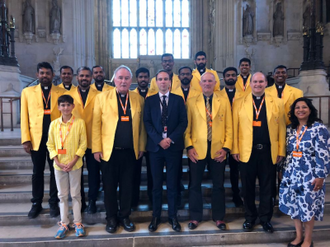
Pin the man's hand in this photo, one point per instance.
(318, 183)
(165, 143)
(192, 155)
(98, 156)
(27, 147)
(220, 155)
(140, 154)
(279, 159)
(236, 157)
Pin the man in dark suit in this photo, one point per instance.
(165, 120)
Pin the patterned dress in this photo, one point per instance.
(297, 197)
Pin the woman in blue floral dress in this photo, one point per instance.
(306, 166)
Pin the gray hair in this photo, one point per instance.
(123, 67)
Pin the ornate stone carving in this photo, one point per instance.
(278, 40)
(41, 32)
(263, 36)
(278, 17)
(248, 24)
(294, 36)
(55, 18)
(56, 61)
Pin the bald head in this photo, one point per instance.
(258, 84)
(207, 83)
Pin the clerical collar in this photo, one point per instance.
(280, 86)
(230, 90)
(201, 71)
(82, 90)
(99, 85)
(66, 86)
(143, 90)
(185, 89)
(258, 97)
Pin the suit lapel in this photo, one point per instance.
(38, 96)
(248, 107)
(200, 105)
(131, 103)
(54, 91)
(215, 105)
(269, 107)
(112, 101)
(286, 93)
(170, 104)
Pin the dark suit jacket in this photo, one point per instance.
(176, 124)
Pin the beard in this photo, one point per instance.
(230, 82)
(185, 81)
(143, 84)
(201, 66)
(99, 79)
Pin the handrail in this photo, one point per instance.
(320, 105)
(11, 100)
(30, 83)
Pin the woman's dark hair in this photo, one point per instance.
(311, 118)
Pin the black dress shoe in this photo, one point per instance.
(111, 226)
(127, 224)
(193, 224)
(35, 210)
(248, 226)
(267, 226)
(221, 225)
(91, 207)
(175, 224)
(154, 224)
(295, 245)
(54, 210)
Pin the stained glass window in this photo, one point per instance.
(150, 27)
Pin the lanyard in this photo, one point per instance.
(298, 140)
(121, 103)
(67, 133)
(43, 96)
(208, 113)
(255, 108)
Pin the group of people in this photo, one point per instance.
(245, 122)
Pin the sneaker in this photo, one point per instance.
(80, 232)
(61, 231)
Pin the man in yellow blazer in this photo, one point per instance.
(200, 62)
(186, 91)
(38, 109)
(66, 75)
(142, 78)
(283, 91)
(118, 141)
(208, 138)
(167, 63)
(229, 92)
(84, 98)
(259, 143)
(98, 76)
(244, 78)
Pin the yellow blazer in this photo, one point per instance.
(290, 94)
(105, 88)
(149, 93)
(196, 132)
(197, 78)
(105, 119)
(238, 95)
(71, 89)
(175, 84)
(240, 84)
(32, 113)
(243, 129)
(192, 93)
(85, 112)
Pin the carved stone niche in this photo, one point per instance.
(55, 37)
(41, 33)
(294, 36)
(28, 37)
(248, 39)
(278, 40)
(263, 36)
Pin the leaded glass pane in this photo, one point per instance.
(132, 13)
(143, 13)
(168, 41)
(159, 42)
(168, 13)
(185, 13)
(159, 13)
(133, 44)
(185, 44)
(143, 42)
(116, 44)
(124, 13)
(124, 43)
(151, 13)
(151, 42)
(116, 13)
(177, 44)
(177, 13)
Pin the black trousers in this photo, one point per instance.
(234, 175)
(119, 170)
(217, 171)
(137, 180)
(39, 159)
(157, 162)
(93, 168)
(259, 166)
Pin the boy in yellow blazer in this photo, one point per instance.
(259, 143)
(283, 91)
(66, 75)
(208, 138)
(118, 141)
(84, 98)
(38, 109)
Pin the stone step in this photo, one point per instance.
(12, 151)
(19, 163)
(4, 141)
(205, 235)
